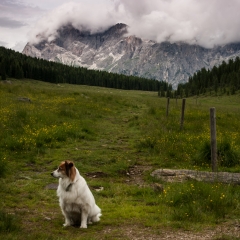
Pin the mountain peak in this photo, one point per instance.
(114, 50)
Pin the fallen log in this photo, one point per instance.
(169, 175)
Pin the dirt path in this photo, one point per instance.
(136, 173)
(227, 231)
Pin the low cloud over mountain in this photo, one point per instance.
(206, 23)
(114, 50)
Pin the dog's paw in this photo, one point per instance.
(83, 226)
(66, 224)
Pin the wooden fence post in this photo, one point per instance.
(168, 100)
(213, 139)
(182, 114)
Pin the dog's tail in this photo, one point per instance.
(96, 218)
(96, 214)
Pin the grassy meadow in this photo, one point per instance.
(107, 132)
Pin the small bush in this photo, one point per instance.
(227, 156)
(147, 143)
(8, 223)
(152, 111)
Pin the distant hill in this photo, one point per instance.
(17, 65)
(224, 79)
(115, 51)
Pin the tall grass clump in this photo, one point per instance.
(8, 223)
(227, 156)
(3, 166)
(199, 202)
(149, 143)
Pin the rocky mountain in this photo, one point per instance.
(115, 51)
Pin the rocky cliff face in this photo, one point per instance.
(115, 51)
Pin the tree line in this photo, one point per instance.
(16, 65)
(222, 79)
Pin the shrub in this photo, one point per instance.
(203, 155)
(152, 111)
(147, 143)
(227, 156)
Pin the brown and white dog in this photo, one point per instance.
(75, 198)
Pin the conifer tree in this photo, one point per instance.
(3, 71)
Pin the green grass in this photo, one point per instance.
(198, 202)
(8, 223)
(226, 155)
(109, 131)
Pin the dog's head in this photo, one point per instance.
(65, 170)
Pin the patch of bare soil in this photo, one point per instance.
(136, 174)
(96, 174)
(225, 231)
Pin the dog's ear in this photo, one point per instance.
(70, 165)
(67, 168)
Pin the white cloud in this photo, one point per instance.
(16, 20)
(19, 10)
(94, 18)
(205, 22)
(10, 23)
(2, 43)
(14, 38)
(19, 46)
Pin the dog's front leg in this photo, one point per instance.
(67, 223)
(84, 218)
(67, 219)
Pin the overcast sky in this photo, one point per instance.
(205, 22)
